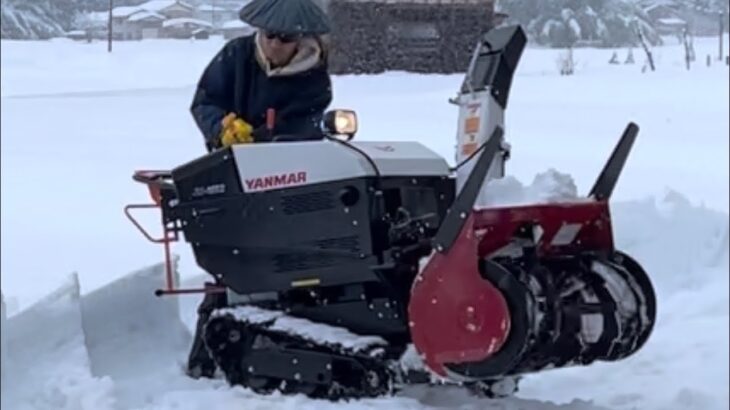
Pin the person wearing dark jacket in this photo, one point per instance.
(281, 68)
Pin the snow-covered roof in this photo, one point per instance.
(144, 14)
(159, 5)
(235, 24)
(658, 4)
(210, 8)
(125, 11)
(184, 20)
(152, 6)
(672, 21)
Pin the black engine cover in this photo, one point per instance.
(323, 234)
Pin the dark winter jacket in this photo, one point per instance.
(236, 80)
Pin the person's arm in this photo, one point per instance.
(213, 98)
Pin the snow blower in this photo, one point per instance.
(352, 268)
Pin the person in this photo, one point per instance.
(281, 67)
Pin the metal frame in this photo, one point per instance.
(170, 234)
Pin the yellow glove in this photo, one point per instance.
(235, 131)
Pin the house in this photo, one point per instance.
(674, 17)
(185, 27)
(171, 9)
(670, 26)
(235, 28)
(147, 23)
(428, 36)
(122, 28)
(661, 10)
(217, 15)
(145, 20)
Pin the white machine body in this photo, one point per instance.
(263, 167)
(479, 115)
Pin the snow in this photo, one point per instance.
(306, 329)
(66, 178)
(125, 11)
(185, 20)
(159, 5)
(210, 8)
(46, 344)
(672, 21)
(141, 15)
(550, 186)
(3, 339)
(235, 24)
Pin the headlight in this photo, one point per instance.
(341, 122)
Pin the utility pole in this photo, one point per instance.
(212, 15)
(109, 29)
(722, 33)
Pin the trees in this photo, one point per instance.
(563, 23)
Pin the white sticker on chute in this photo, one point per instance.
(566, 234)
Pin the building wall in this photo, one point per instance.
(374, 36)
(123, 29)
(181, 31)
(217, 18)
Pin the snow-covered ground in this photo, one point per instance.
(76, 121)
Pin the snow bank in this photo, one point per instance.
(132, 335)
(3, 343)
(681, 245)
(549, 186)
(47, 358)
(105, 350)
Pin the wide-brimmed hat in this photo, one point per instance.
(294, 17)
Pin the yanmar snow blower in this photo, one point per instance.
(354, 268)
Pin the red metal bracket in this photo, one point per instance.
(154, 181)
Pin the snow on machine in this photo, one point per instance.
(352, 269)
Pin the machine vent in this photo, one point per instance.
(309, 202)
(347, 243)
(297, 261)
(331, 252)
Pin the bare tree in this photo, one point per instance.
(646, 48)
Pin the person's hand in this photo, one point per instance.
(235, 131)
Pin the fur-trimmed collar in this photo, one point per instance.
(308, 55)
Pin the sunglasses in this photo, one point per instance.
(282, 37)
